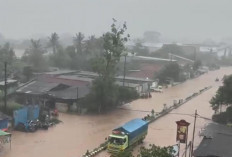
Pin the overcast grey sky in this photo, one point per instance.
(175, 19)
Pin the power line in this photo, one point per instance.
(185, 114)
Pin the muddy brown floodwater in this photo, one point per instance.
(78, 133)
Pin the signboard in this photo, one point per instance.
(182, 131)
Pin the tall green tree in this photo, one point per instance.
(104, 91)
(54, 42)
(197, 64)
(27, 72)
(223, 94)
(34, 56)
(169, 71)
(7, 54)
(61, 59)
(139, 49)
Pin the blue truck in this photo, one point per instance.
(131, 133)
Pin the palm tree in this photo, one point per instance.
(77, 40)
(35, 56)
(53, 41)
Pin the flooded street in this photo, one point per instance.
(78, 133)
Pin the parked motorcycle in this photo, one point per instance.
(31, 126)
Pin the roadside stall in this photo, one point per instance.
(5, 138)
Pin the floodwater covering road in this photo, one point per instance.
(78, 133)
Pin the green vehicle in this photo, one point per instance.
(130, 133)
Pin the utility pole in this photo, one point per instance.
(79, 107)
(194, 127)
(5, 87)
(124, 73)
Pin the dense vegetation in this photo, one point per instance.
(100, 55)
(152, 151)
(105, 93)
(223, 98)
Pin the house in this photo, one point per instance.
(11, 87)
(137, 87)
(217, 141)
(144, 84)
(54, 93)
(146, 67)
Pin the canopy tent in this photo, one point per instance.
(5, 137)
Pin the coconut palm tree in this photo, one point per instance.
(54, 42)
(78, 41)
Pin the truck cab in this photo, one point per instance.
(130, 133)
(118, 141)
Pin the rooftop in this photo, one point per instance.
(152, 58)
(217, 141)
(60, 72)
(37, 87)
(134, 78)
(75, 77)
(87, 73)
(56, 90)
(2, 83)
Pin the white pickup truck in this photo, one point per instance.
(156, 89)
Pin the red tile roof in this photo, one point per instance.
(146, 70)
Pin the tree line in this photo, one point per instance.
(101, 55)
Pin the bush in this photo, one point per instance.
(127, 94)
(224, 117)
(220, 118)
(11, 106)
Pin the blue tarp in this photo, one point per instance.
(134, 128)
(25, 114)
(133, 125)
(4, 123)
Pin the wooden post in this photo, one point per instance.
(194, 127)
(186, 145)
(124, 72)
(79, 107)
(5, 87)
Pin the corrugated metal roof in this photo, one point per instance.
(56, 90)
(60, 72)
(70, 93)
(134, 125)
(152, 58)
(2, 83)
(217, 141)
(134, 78)
(219, 145)
(75, 77)
(37, 87)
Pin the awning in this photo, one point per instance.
(3, 133)
(5, 137)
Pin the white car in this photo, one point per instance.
(157, 89)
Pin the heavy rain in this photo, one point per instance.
(115, 78)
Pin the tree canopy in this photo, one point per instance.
(104, 92)
(223, 94)
(169, 71)
(151, 151)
